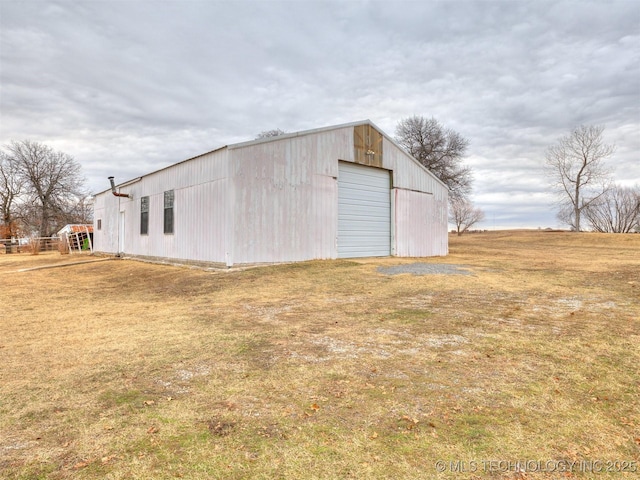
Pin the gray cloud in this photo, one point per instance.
(128, 87)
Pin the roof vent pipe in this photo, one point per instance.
(113, 189)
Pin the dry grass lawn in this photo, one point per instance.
(329, 369)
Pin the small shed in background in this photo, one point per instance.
(337, 192)
(76, 238)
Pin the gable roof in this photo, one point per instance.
(76, 228)
(285, 136)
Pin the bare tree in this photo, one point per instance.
(439, 149)
(463, 214)
(577, 172)
(276, 132)
(617, 211)
(53, 184)
(637, 194)
(81, 211)
(11, 186)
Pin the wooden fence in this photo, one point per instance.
(27, 245)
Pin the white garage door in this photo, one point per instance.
(364, 211)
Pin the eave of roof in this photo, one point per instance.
(279, 138)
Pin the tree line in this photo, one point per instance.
(41, 190)
(575, 167)
(583, 184)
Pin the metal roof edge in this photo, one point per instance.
(336, 127)
(285, 137)
(409, 155)
(301, 133)
(137, 179)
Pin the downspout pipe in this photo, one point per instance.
(113, 190)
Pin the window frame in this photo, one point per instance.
(169, 217)
(144, 215)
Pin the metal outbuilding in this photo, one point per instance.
(338, 192)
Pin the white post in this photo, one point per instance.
(86, 229)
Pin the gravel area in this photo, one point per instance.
(426, 269)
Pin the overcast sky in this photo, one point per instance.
(127, 87)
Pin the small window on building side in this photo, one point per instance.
(144, 215)
(168, 211)
(99, 224)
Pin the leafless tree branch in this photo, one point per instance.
(11, 187)
(276, 132)
(463, 214)
(577, 172)
(617, 211)
(439, 149)
(52, 185)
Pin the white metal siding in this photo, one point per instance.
(409, 174)
(364, 211)
(201, 212)
(420, 206)
(420, 224)
(106, 210)
(285, 199)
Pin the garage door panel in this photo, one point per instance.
(355, 171)
(358, 193)
(355, 219)
(361, 195)
(369, 210)
(364, 211)
(357, 184)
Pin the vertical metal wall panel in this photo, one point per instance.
(419, 231)
(285, 198)
(100, 238)
(364, 211)
(201, 202)
(207, 230)
(420, 206)
(105, 209)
